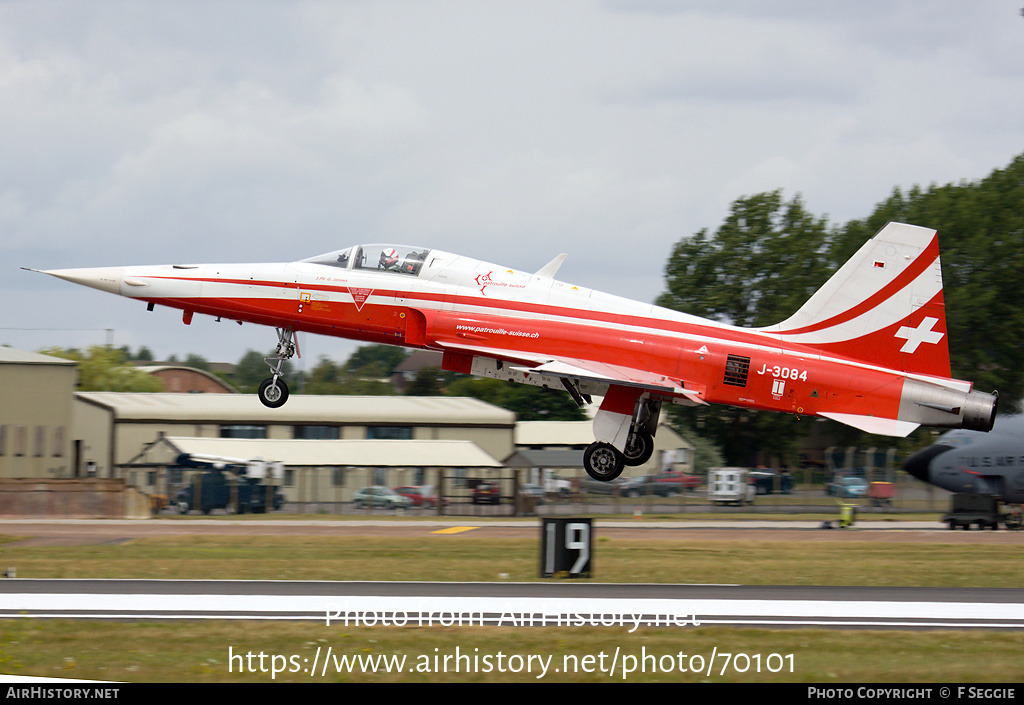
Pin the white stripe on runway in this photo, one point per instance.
(526, 611)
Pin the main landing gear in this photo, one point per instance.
(604, 462)
(273, 392)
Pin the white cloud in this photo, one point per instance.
(511, 131)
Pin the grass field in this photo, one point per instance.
(199, 651)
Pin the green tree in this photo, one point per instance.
(252, 369)
(328, 377)
(757, 269)
(324, 378)
(981, 236)
(705, 454)
(105, 369)
(197, 361)
(769, 256)
(427, 383)
(529, 403)
(375, 361)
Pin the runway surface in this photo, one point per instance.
(515, 604)
(566, 603)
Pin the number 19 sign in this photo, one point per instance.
(565, 548)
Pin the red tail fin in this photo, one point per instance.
(884, 306)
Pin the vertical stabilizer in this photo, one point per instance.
(884, 306)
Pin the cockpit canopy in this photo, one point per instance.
(400, 259)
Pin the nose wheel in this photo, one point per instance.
(273, 391)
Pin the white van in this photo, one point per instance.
(730, 486)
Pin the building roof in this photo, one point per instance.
(419, 359)
(546, 459)
(356, 453)
(157, 369)
(23, 357)
(301, 408)
(554, 433)
(576, 433)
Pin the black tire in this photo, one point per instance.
(273, 394)
(603, 461)
(639, 448)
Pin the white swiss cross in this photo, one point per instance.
(922, 334)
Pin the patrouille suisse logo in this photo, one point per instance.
(486, 280)
(360, 295)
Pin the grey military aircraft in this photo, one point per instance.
(968, 461)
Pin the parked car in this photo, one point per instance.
(591, 486)
(636, 486)
(378, 496)
(419, 495)
(763, 480)
(487, 493)
(848, 487)
(768, 481)
(674, 482)
(556, 485)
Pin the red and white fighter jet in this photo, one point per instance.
(868, 349)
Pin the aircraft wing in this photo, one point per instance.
(615, 374)
(580, 369)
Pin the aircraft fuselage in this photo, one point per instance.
(504, 311)
(868, 349)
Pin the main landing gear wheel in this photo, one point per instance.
(273, 392)
(603, 461)
(639, 448)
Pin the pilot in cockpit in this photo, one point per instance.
(389, 260)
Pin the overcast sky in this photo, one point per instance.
(511, 131)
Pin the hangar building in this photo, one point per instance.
(121, 427)
(36, 437)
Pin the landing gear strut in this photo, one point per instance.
(273, 392)
(639, 448)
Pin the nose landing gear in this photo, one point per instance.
(273, 391)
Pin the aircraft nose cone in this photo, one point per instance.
(918, 464)
(102, 278)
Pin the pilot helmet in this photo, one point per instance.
(388, 258)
